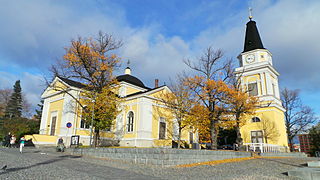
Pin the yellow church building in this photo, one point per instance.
(140, 123)
(265, 130)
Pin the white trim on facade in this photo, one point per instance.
(44, 117)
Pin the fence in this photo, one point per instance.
(263, 147)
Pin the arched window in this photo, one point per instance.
(255, 119)
(130, 122)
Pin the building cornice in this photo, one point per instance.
(256, 67)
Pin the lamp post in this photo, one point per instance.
(91, 127)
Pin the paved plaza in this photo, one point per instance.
(43, 164)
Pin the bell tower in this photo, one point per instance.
(259, 78)
(256, 70)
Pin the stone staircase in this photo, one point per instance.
(312, 172)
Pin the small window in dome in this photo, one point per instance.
(255, 119)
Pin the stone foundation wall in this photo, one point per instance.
(159, 156)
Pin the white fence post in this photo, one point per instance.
(263, 147)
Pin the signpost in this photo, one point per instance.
(69, 125)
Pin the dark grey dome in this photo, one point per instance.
(131, 79)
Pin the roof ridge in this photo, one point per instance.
(72, 82)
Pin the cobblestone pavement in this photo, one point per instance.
(34, 164)
(38, 164)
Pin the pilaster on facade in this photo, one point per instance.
(44, 117)
(263, 86)
(145, 121)
(69, 112)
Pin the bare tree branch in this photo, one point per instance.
(298, 117)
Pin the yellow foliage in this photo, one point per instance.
(216, 162)
(106, 107)
(241, 104)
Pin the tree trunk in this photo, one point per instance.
(214, 138)
(213, 134)
(239, 140)
(179, 138)
(96, 138)
(290, 138)
(290, 144)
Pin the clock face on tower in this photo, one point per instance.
(250, 58)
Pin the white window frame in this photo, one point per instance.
(130, 124)
(254, 82)
(257, 137)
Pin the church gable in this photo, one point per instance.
(55, 88)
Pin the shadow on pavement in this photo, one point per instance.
(279, 161)
(70, 156)
(59, 158)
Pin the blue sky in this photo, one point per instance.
(157, 35)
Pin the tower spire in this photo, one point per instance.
(250, 13)
(252, 40)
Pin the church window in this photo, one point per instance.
(130, 119)
(256, 137)
(83, 123)
(162, 128)
(255, 119)
(253, 89)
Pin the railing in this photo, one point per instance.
(263, 147)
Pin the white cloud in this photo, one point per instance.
(154, 56)
(32, 86)
(36, 35)
(288, 28)
(291, 33)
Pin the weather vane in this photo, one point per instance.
(250, 13)
(128, 63)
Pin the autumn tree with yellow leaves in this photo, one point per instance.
(200, 121)
(210, 87)
(92, 61)
(240, 105)
(179, 101)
